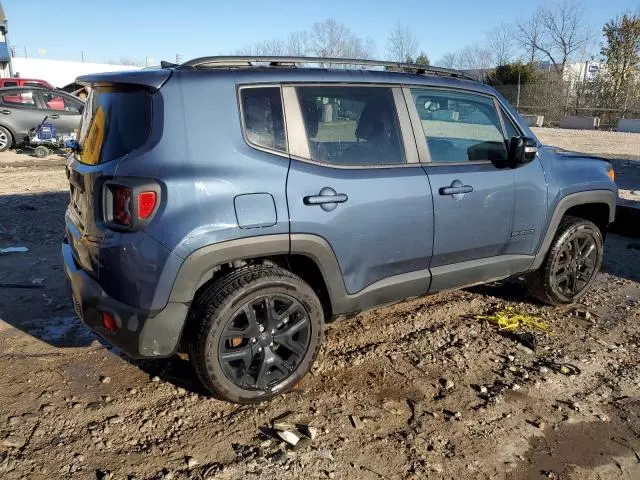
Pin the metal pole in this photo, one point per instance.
(25, 52)
(82, 55)
(518, 98)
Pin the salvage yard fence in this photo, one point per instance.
(559, 98)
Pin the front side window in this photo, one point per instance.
(351, 125)
(460, 127)
(262, 117)
(59, 102)
(10, 83)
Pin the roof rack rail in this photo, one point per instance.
(276, 61)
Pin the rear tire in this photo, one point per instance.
(571, 264)
(6, 139)
(255, 333)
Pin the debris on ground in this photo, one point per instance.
(511, 320)
(289, 437)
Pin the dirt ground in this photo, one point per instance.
(423, 389)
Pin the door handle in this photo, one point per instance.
(327, 198)
(6, 112)
(455, 190)
(54, 116)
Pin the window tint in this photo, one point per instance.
(20, 99)
(115, 122)
(58, 102)
(262, 117)
(351, 125)
(33, 84)
(459, 126)
(10, 84)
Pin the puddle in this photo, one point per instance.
(67, 331)
(575, 446)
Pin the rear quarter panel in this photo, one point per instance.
(203, 164)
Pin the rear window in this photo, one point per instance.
(115, 122)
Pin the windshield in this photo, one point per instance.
(115, 121)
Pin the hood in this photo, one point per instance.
(569, 154)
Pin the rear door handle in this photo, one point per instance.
(327, 198)
(54, 116)
(6, 112)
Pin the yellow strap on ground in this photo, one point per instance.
(508, 319)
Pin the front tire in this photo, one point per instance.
(258, 333)
(571, 265)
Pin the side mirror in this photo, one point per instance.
(521, 150)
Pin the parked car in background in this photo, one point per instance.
(23, 108)
(24, 82)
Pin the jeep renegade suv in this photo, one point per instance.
(230, 205)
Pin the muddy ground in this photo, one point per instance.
(423, 389)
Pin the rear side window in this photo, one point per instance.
(115, 122)
(19, 99)
(33, 84)
(459, 126)
(10, 84)
(262, 117)
(351, 125)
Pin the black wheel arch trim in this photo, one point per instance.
(580, 198)
(200, 266)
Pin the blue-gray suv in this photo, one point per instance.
(229, 206)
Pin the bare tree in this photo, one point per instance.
(475, 60)
(299, 44)
(557, 32)
(528, 33)
(402, 45)
(329, 38)
(500, 44)
(449, 60)
(274, 47)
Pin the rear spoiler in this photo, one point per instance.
(152, 79)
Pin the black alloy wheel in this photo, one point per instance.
(265, 341)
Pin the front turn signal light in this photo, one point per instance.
(611, 173)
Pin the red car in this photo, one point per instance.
(24, 82)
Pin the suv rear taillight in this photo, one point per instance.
(146, 204)
(129, 204)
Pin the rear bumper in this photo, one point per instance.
(141, 333)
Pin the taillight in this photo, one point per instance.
(146, 204)
(122, 205)
(109, 323)
(129, 204)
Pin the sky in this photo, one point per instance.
(107, 30)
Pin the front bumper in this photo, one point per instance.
(140, 333)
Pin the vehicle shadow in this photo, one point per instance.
(34, 296)
(176, 370)
(621, 259)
